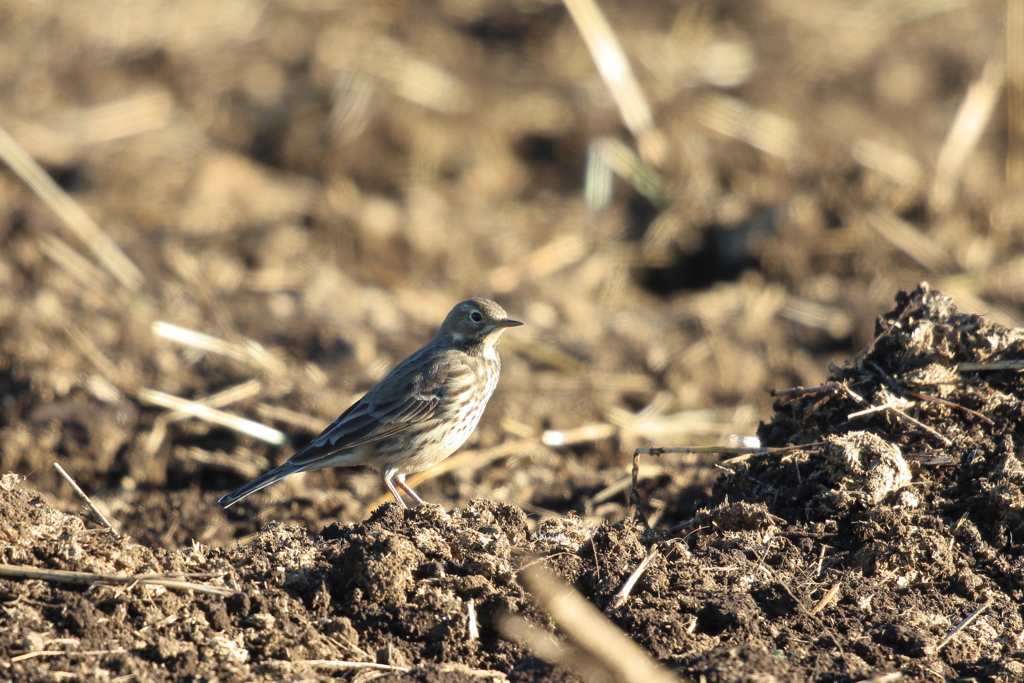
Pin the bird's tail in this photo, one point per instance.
(258, 484)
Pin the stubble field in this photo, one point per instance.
(301, 191)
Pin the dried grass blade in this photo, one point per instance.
(73, 216)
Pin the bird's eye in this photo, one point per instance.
(475, 316)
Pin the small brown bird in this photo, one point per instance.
(419, 414)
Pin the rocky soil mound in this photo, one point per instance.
(879, 533)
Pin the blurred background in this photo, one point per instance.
(247, 212)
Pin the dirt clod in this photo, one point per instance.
(852, 556)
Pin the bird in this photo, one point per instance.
(419, 414)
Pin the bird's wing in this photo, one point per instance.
(409, 395)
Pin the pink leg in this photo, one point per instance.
(388, 476)
(408, 489)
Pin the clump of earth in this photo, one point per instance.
(884, 509)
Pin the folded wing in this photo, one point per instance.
(408, 398)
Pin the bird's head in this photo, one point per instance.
(475, 322)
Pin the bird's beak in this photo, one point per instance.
(505, 322)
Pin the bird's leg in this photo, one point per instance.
(408, 489)
(388, 476)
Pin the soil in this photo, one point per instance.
(305, 188)
(851, 548)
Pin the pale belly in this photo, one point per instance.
(453, 434)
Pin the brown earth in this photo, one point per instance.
(314, 184)
(905, 523)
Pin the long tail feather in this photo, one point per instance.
(258, 484)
